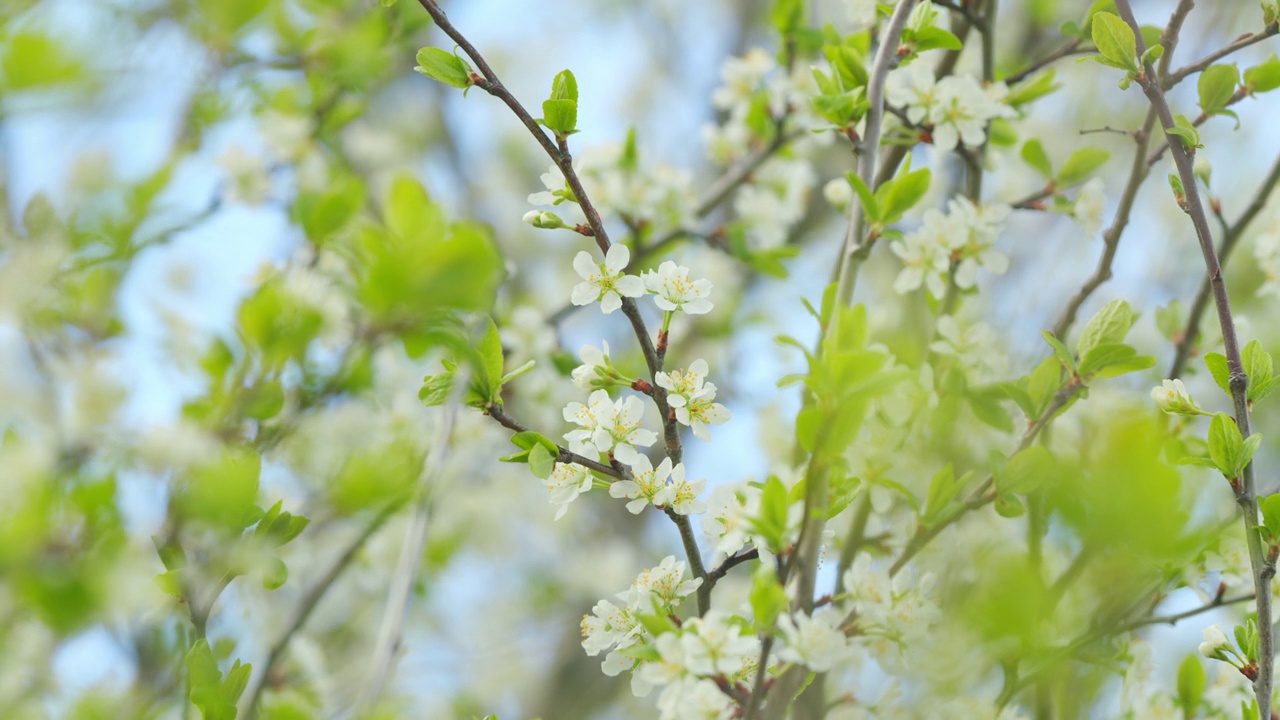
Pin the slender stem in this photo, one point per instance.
(886, 56)
(558, 151)
(1168, 81)
(730, 563)
(981, 495)
(1246, 494)
(1073, 47)
(312, 597)
(411, 552)
(1230, 238)
(497, 412)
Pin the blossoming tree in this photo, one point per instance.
(968, 497)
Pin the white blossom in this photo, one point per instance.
(675, 291)
(838, 192)
(557, 190)
(666, 584)
(860, 13)
(1215, 641)
(594, 369)
(728, 521)
(608, 425)
(648, 485)
(693, 398)
(606, 281)
(956, 108)
(815, 641)
(1089, 205)
(566, 482)
(248, 181)
(975, 345)
(1172, 397)
(609, 626)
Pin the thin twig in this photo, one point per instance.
(1246, 494)
(1230, 238)
(886, 56)
(1244, 41)
(310, 599)
(559, 154)
(1073, 47)
(411, 552)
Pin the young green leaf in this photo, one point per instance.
(1108, 326)
(1034, 155)
(1191, 682)
(1060, 351)
(1115, 40)
(541, 462)
(870, 208)
(1271, 515)
(444, 66)
(1034, 88)
(1217, 364)
(1080, 165)
(768, 598)
(1216, 85)
(1226, 446)
(1264, 77)
(901, 194)
(1184, 131)
(560, 111)
(1257, 365)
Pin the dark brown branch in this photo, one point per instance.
(1240, 43)
(1230, 238)
(1246, 494)
(1073, 47)
(497, 412)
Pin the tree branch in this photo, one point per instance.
(1246, 494)
(1240, 43)
(1230, 237)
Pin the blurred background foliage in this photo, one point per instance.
(217, 303)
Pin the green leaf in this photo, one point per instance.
(1175, 184)
(541, 461)
(1102, 356)
(1042, 384)
(943, 489)
(1115, 40)
(771, 524)
(1271, 514)
(435, 389)
(1258, 366)
(932, 38)
(1033, 88)
(1264, 77)
(870, 207)
(1009, 506)
(1263, 389)
(768, 598)
(1080, 165)
(275, 574)
(1218, 368)
(1108, 326)
(988, 408)
(1026, 471)
(560, 111)
(901, 194)
(1216, 85)
(444, 66)
(787, 16)
(1191, 682)
(1185, 131)
(1060, 351)
(490, 370)
(1034, 155)
(1154, 52)
(1226, 446)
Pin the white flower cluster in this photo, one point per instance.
(693, 398)
(956, 108)
(660, 197)
(964, 236)
(731, 510)
(1267, 252)
(892, 615)
(775, 198)
(607, 283)
(711, 646)
(615, 628)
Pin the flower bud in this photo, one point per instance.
(543, 219)
(1214, 641)
(1172, 397)
(838, 192)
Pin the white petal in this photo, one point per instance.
(700, 368)
(698, 307)
(610, 302)
(629, 285)
(617, 258)
(584, 294)
(584, 265)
